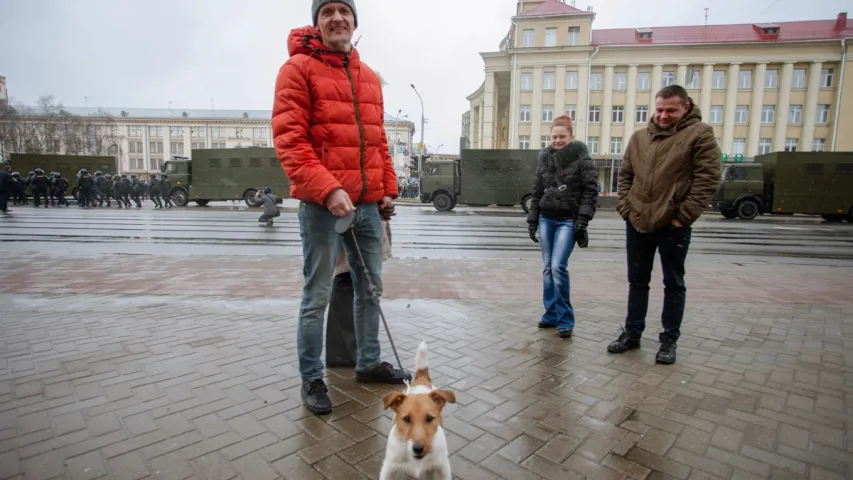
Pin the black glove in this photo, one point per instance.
(581, 235)
(532, 230)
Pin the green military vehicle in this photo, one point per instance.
(67, 165)
(811, 183)
(225, 174)
(480, 177)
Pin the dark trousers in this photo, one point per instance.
(38, 194)
(4, 201)
(157, 199)
(60, 198)
(341, 346)
(672, 243)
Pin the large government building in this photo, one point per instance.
(764, 87)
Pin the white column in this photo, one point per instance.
(681, 75)
(482, 125)
(707, 86)
(655, 85)
(536, 109)
(810, 108)
(782, 106)
(560, 91)
(607, 109)
(758, 75)
(630, 103)
(472, 127)
(489, 112)
(581, 130)
(729, 108)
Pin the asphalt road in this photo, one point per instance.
(418, 232)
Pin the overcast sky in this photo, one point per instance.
(146, 53)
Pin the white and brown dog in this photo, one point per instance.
(417, 445)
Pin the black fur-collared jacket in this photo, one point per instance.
(566, 185)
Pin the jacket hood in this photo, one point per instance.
(694, 115)
(308, 41)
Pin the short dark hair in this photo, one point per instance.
(674, 91)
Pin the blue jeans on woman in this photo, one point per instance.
(557, 240)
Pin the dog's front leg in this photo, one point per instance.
(387, 472)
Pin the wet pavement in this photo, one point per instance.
(118, 364)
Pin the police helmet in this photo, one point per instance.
(31, 173)
(58, 175)
(116, 177)
(16, 174)
(164, 176)
(123, 175)
(132, 175)
(83, 171)
(39, 171)
(98, 173)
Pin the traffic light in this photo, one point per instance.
(413, 164)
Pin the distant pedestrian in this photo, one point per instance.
(562, 204)
(5, 187)
(269, 202)
(670, 171)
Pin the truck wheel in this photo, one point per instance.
(442, 202)
(202, 203)
(180, 197)
(833, 218)
(249, 198)
(525, 203)
(729, 214)
(747, 210)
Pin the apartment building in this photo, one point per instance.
(763, 87)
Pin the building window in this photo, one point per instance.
(524, 113)
(217, 145)
(574, 36)
(547, 113)
(155, 147)
(198, 146)
(593, 144)
(738, 146)
(799, 79)
(548, 82)
(155, 131)
(157, 164)
(618, 114)
(197, 132)
(546, 140)
(571, 80)
(595, 81)
(819, 145)
(643, 82)
(822, 113)
(528, 38)
(741, 114)
(716, 114)
(176, 131)
(572, 111)
(217, 132)
(718, 81)
(790, 144)
(620, 81)
(668, 79)
(693, 83)
(642, 115)
(616, 145)
(135, 131)
(524, 142)
(140, 164)
(259, 133)
(795, 115)
(744, 81)
(550, 37)
(768, 114)
(177, 148)
(826, 75)
(594, 114)
(764, 146)
(239, 132)
(526, 82)
(771, 79)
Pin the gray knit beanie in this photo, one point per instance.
(316, 5)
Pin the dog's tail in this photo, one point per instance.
(422, 366)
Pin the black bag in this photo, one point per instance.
(341, 349)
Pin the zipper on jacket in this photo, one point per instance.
(360, 129)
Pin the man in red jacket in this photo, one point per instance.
(329, 128)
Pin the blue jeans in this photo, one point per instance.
(320, 247)
(557, 240)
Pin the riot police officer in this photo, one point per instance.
(40, 187)
(166, 190)
(108, 189)
(19, 184)
(154, 191)
(122, 188)
(51, 190)
(135, 190)
(99, 190)
(85, 185)
(61, 185)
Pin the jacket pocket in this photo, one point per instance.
(324, 154)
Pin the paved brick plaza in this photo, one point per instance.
(183, 368)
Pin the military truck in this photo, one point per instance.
(811, 183)
(225, 174)
(67, 165)
(480, 177)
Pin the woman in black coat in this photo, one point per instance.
(563, 202)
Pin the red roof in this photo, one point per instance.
(789, 31)
(552, 7)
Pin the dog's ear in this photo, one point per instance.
(393, 400)
(442, 396)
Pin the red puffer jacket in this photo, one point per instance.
(328, 124)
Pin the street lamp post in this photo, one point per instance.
(421, 146)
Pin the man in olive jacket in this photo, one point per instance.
(670, 171)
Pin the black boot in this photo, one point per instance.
(666, 354)
(383, 373)
(624, 343)
(315, 396)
